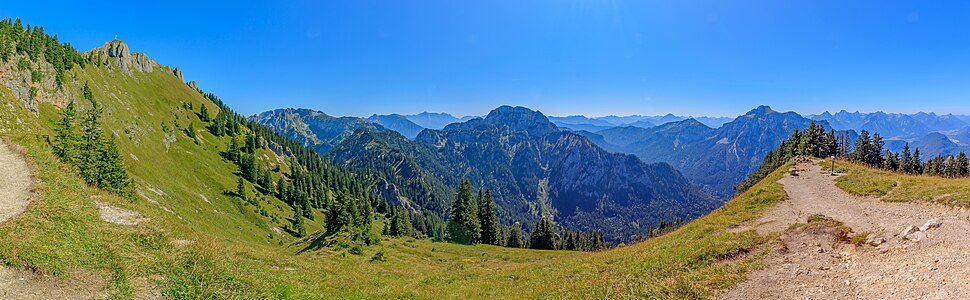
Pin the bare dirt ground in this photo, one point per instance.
(815, 264)
(14, 183)
(15, 195)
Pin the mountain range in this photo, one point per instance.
(532, 167)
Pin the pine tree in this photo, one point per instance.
(65, 135)
(91, 145)
(204, 114)
(915, 164)
(241, 189)
(962, 165)
(906, 161)
(463, 226)
(113, 177)
(889, 161)
(515, 236)
(298, 227)
(488, 219)
(543, 236)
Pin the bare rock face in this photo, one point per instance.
(178, 73)
(31, 90)
(116, 54)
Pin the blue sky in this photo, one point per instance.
(591, 57)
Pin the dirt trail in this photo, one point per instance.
(815, 265)
(14, 183)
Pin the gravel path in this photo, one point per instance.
(817, 265)
(14, 183)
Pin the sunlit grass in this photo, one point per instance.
(234, 252)
(892, 187)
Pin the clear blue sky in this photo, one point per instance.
(592, 57)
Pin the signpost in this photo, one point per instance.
(833, 165)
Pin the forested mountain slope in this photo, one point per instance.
(533, 168)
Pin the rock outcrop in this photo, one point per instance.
(116, 54)
(178, 73)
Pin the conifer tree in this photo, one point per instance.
(488, 219)
(113, 176)
(298, 226)
(515, 236)
(543, 236)
(65, 135)
(464, 226)
(204, 114)
(91, 145)
(241, 189)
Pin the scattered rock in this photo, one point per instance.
(117, 215)
(907, 231)
(932, 223)
(917, 236)
(875, 240)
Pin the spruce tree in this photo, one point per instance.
(65, 135)
(543, 236)
(488, 219)
(515, 236)
(204, 114)
(962, 165)
(241, 189)
(113, 177)
(91, 145)
(463, 226)
(298, 227)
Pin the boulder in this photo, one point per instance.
(193, 85)
(932, 223)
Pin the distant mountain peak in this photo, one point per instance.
(761, 110)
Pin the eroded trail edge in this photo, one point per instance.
(15, 181)
(815, 264)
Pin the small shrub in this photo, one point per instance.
(380, 256)
(356, 250)
(859, 238)
(36, 76)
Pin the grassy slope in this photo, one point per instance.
(892, 187)
(236, 254)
